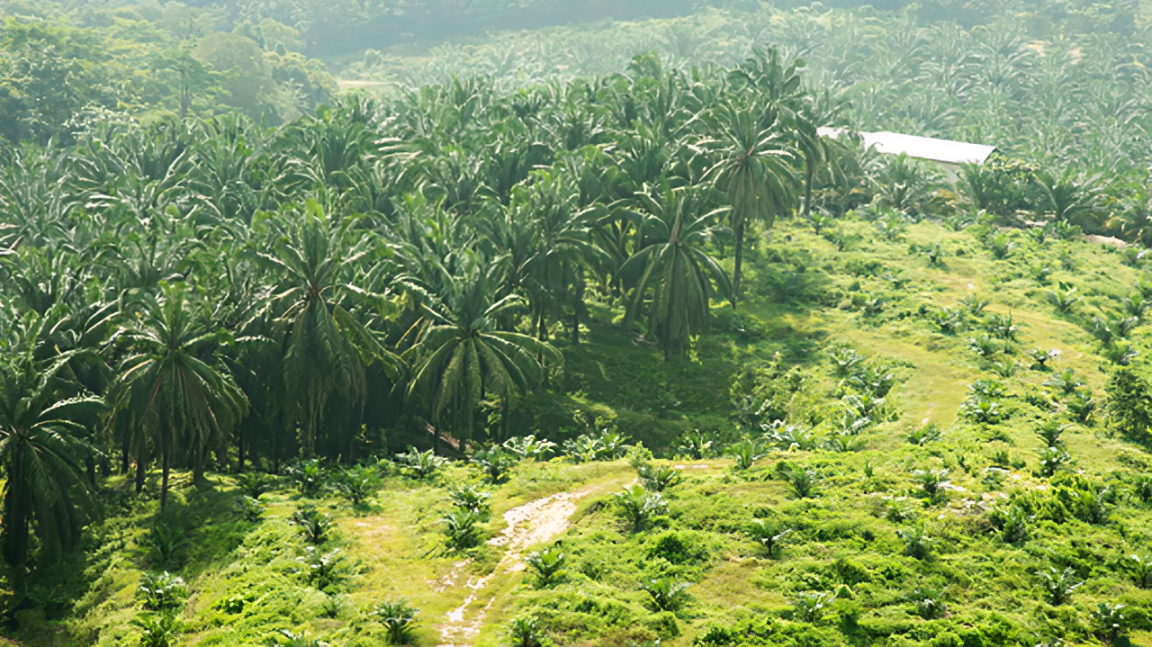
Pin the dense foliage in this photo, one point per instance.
(432, 305)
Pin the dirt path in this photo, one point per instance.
(530, 524)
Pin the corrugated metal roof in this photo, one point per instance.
(936, 150)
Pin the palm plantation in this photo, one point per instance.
(264, 365)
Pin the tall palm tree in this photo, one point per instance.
(755, 172)
(673, 265)
(41, 449)
(459, 355)
(325, 347)
(171, 387)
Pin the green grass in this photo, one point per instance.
(805, 298)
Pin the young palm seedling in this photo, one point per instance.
(769, 534)
(399, 620)
(548, 564)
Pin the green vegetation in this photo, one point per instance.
(626, 353)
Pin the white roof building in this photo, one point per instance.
(943, 151)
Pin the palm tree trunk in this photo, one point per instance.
(140, 474)
(576, 305)
(736, 271)
(541, 328)
(240, 449)
(809, 178)
(164, 478)
(125, 464)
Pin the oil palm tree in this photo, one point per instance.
(674, 268)
(459, 355)
(325, 347)
(755, 172)
(41, 449)
(172, 388)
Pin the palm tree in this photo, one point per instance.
(41, 450)
(673, 265)
(172, 390)
(755, 173)
(459, 355)
(325, 347)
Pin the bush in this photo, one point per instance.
(1140, 569)
(810, 606)
(461, 528)
(399, 620)
(161, 592)
(421, 465)
(530, 447)
(548, 564)
(768, 534)
(1059, 585)
(168, 542)
(471, 498)
(666, 594)
(253, 484)
(526, 632)
(322, 570)
(496, 464)
(917, 544)
(1109, 620)
(309, 477)
(358, 484)
(313, 525)
(157, 629)
(658, 478)
(640, 506)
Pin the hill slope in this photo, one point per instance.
(906, 485)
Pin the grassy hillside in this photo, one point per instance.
(933, 524)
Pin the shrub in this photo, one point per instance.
(526, 632)
(606, 446)
(1051, 431)
(421, 465)
(461, 528)
(810, 606)
(1059, 585)
(530, 447)
(934, 484)
(695, 445)
(845, 360)
(1109, 620)
(1063, 298)
(923, 435)
(666, 594)
(358, 483)
(786, 437)
(162, 591)
(548, 564)
(1064, 382)
(929, 604)
(167, 541)
(640, 506)
(658, 478)
(496, 463)
(322, 570)
(471, 498)
(399, 620)
(249, 509)
(1052, 459)
(309, 477)
(917, 544)
(1140, 569)
(803, 481)
(768, 534)
(1041, 358)
(313, 525)
(744, 455)
(253, 484)
(157, 629)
